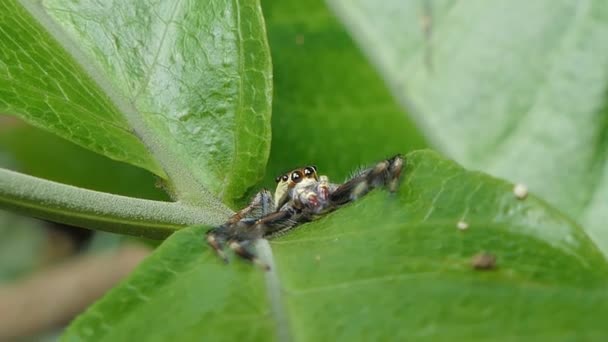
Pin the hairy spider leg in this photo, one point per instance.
(242, 249)
(265, 226)
(261, 205)
(262, 202)
(396, 167)
(385, 173)
(216, 241)
(276, 222)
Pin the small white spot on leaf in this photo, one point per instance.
(462, 225)
(520, 191)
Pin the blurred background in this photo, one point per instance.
(50, 272)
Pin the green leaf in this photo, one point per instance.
(191, 79)
(41, 154)
(331, 108)
(42, 83)
(517, 89)
(388, 267)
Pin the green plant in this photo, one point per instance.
(186, 95)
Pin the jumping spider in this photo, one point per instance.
(301, 196)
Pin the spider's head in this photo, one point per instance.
(288, 181)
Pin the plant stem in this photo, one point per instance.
(98, 210)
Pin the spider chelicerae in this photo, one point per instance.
(301, 196)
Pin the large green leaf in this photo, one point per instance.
(388, 267)
(191, 79)
(517, 88)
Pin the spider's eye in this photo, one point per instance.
(296, 176)
(285, 178)
(278, 179)
(309, 171)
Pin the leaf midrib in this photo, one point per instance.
(275, 293)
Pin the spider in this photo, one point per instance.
(301, 196)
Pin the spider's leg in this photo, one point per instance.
(216, 238)
(250, 231)
(349, 191)
(243, 249)
(280, 220)
(228, 233)
(261, 204)
(394, 172)
(385, 173)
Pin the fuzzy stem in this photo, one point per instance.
(98, 210)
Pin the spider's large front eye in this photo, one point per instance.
(309, 171)
(296, 176)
